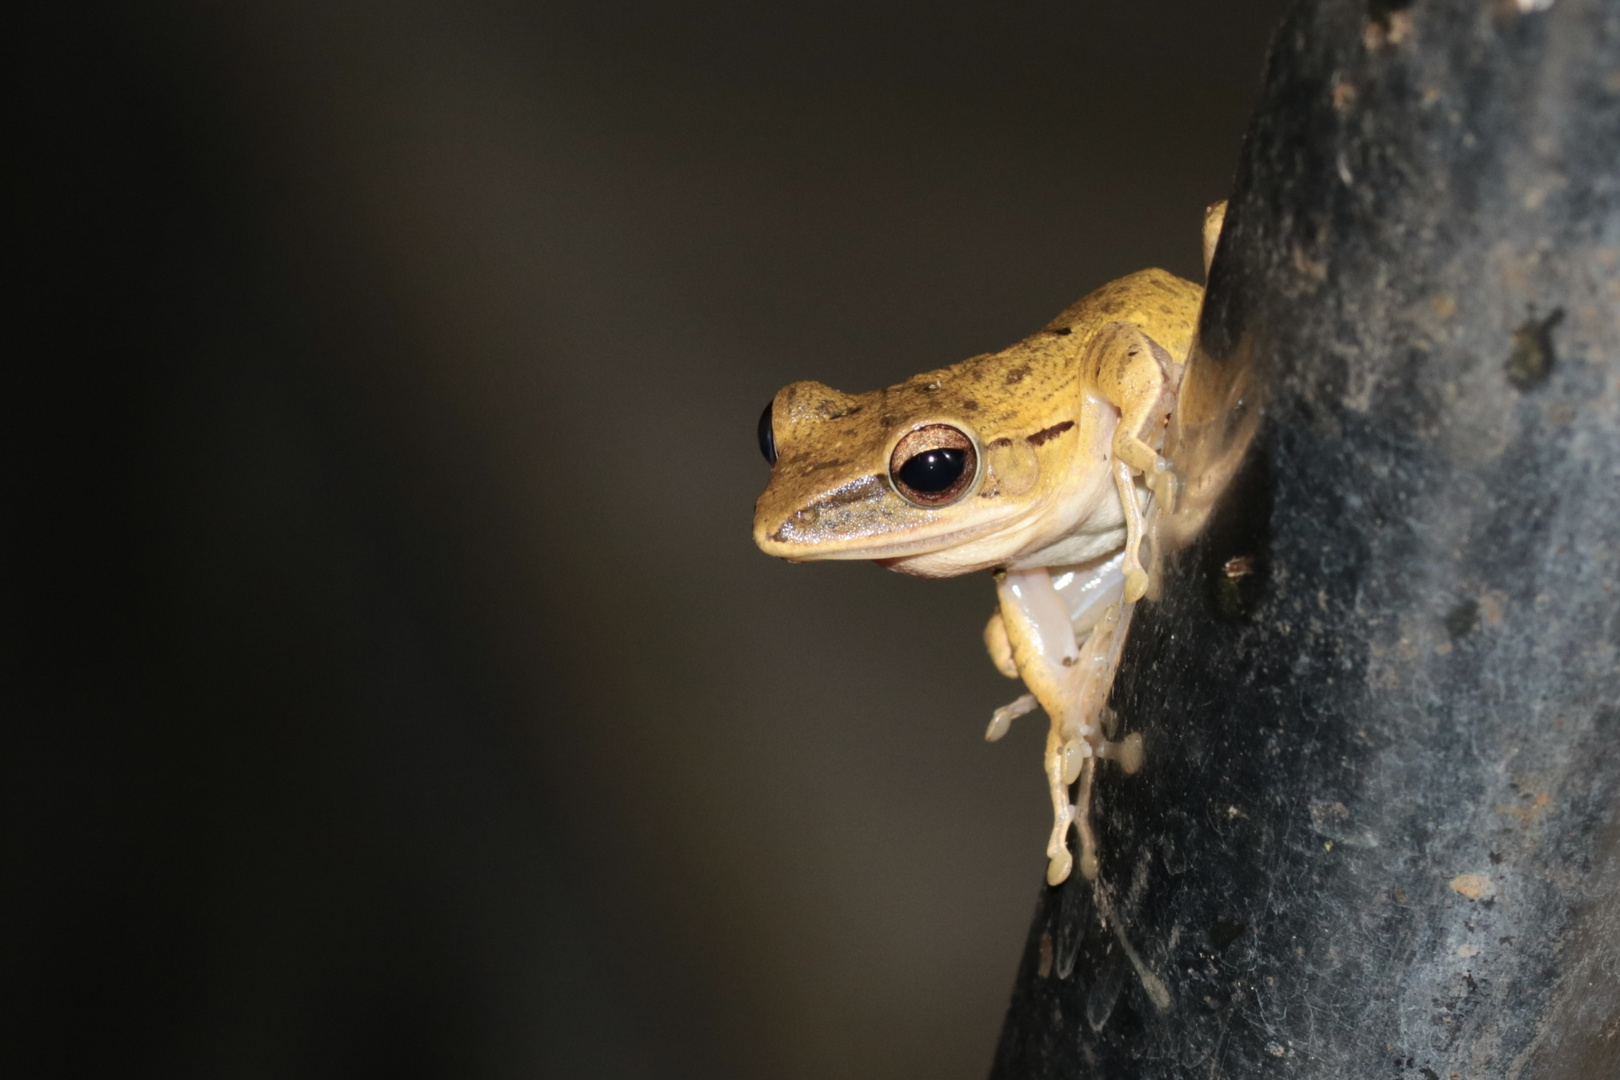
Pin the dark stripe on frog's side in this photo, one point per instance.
(1046, 435)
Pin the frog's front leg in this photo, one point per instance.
(1135, 374)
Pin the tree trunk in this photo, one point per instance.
(1375, 834)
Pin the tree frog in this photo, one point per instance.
(1040, 463)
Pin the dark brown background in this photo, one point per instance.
(392, 688)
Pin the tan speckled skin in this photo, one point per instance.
(1042, 425)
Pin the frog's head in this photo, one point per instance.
(946, 473)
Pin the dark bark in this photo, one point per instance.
(1376, 832)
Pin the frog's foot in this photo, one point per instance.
(1002, 718)
(1128, 753)
(1065, 760)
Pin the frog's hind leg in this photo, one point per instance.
(1138, 377)
(1042, 643)
(1070, 680)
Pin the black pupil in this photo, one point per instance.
(767, 437)
(933, 470)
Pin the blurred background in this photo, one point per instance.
(391, 687)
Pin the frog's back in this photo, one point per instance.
(1163, 305)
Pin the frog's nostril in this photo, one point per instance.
(767, 436)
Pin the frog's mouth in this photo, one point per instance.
(866, 519)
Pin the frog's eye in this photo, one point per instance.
(933, 465)
(767, 435)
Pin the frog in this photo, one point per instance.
(1041, 464)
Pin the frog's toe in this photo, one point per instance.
(1128, 752)
(1057, 871)
(1057, 847)
(1166, 488)
(1136, 584)
(1075, 752)
(1003, 717)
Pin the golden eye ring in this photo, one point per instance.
(934, 465)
